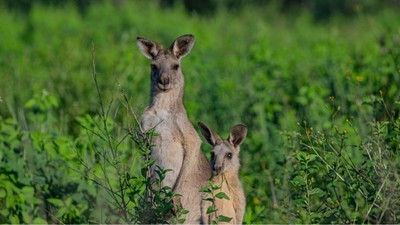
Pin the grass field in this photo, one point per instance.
(320, 99)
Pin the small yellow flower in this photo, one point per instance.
(256, 201)
(359, 78)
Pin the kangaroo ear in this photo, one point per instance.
(182, 45)
(211, 137)
(237, 135)
(149, 48)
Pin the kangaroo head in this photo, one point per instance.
(225, 153)
(166, 73)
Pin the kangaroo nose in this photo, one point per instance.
(217, 169)
(164, 81)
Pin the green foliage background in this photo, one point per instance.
(320, 98)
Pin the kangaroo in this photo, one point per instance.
(225, 168)
(177, 146)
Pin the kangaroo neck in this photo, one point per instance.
(229, 178)
(171, 100)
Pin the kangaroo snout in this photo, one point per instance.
(164, 81)
(217, 169)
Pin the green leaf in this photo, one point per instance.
(39, 220)
(150, 162)
(184, 211)
(10, 201)
(214, 186)
(30, 103)
(205, 190)
(211, 209)
(208, 199)
(144, 171)
(311, 157)
(25, 217)
(167, 170)
(222, 218)
(28, 191)
(222, 195)
(317, 191)
(4, 212)
(298, 181)
(56, 202)
(3, 193)
(14, 219)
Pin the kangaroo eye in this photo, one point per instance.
(229, 155)
(175, 66)
(153, 67)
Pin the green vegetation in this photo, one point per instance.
(320, 99)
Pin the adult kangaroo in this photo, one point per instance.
(177, 146)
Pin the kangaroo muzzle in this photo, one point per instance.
(217, 170)
(164, 82)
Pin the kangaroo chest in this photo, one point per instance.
(234, 207)
(170, 126)
(173, 134)
(163, 123)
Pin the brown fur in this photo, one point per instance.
(225, 168)
(177, 145)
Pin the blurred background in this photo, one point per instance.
(316, 82)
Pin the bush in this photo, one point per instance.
(329, 163)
